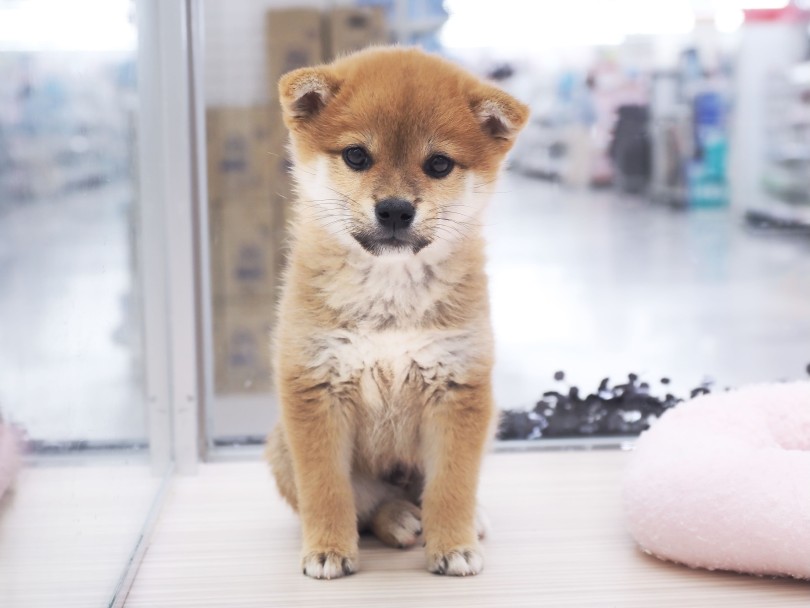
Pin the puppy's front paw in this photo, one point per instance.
(460, 561)
(328, 564)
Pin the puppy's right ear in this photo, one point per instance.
(305, 92)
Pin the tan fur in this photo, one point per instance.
(383, 358)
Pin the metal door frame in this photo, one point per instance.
(170, 258)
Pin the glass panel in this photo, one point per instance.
(648, 241)
(75, 485)
(248, 48)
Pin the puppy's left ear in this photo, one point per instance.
(501, 116)
(305, 92)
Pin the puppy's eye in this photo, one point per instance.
(438, 166)
(357, 158)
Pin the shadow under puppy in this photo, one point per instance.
(384, 347)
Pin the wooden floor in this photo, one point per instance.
(226, 539)
(67, 533)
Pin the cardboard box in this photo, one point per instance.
(242, 357)
(280, 176)
(293, 40)
(246, 241)
(240, 152)
(352, 29)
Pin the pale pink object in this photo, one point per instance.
(723, 482)
(10, 455)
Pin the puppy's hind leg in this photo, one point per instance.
(397, 523)
(384, 508)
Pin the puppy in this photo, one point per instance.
(384, 347)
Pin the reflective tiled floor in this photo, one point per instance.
(598, 285)
(68, 331)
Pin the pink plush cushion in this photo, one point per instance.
(10, 458)
(723, 482)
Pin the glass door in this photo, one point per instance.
(246, 47)
(94, 321)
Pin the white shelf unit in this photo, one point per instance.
(785, 198)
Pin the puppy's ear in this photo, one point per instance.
(501, 116)
(305, 92)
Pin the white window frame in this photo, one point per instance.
(169, 216)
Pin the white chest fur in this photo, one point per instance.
(381, 365)
(386, 291)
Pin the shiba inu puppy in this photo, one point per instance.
(384, 348)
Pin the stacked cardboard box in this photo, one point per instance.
(293, 40)
(298, 38)
(237, 140)
(351, 29)
(246, 228)
(250, 188)
(242, 354)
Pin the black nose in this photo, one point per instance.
(394, 213)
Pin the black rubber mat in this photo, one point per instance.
(627, 408)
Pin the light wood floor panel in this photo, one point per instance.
(226, 539)
(66, 533)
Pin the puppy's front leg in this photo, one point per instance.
(319, 433)
(456, 431)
